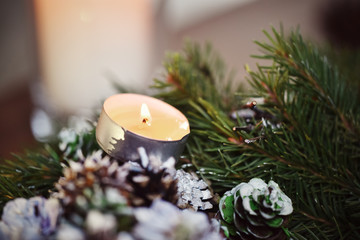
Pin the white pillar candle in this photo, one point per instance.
(84, 44)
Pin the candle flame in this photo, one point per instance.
(145, 114)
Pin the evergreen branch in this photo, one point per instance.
(321, 90)
(36, 172)
(314, 153)
(307, 64)
(315, 87)
(29, 175)
(198, 73)
(317, 219)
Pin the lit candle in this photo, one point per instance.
(130, 121)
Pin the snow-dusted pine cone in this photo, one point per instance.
(80, 136)
(100, 183)
(92, 183)
(255, 210)
(164, 221)
(151, 180)
(34, 218)
(193, 192)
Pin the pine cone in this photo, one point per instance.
(100, 183)
(255, 210)
(71, 141)
(92, 183)
(193, 192)
(163, 220)
(151, 180)
(251, 116)
(34, 218)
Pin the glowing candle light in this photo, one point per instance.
(130, 121)
(145, 114)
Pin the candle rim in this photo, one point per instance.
(155, 139)
(177, 111)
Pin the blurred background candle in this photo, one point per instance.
(85, 44)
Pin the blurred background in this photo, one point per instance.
(60, 58)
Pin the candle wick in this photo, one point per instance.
(145, 114)
(146, 121)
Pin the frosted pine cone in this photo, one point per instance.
(80, 136)
(93, 183)
(164, 221)
(34, 218)
(255, 210)
(100, 183)
(193, 192)
(151, 180)
(87, 172)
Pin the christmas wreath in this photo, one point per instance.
(279, 162)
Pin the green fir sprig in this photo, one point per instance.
(34, 173)
(198, 73)
(29, 175)
(313, 152)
